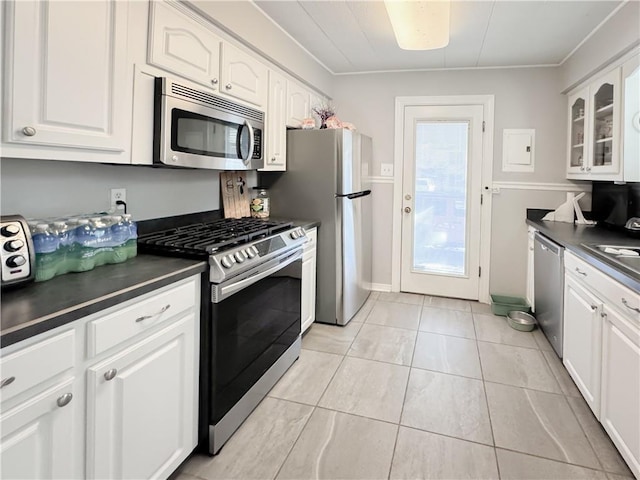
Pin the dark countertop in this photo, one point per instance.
(572, 237)
(38, 307)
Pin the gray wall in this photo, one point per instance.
(39, 188)
(611, 41)
(524, 98)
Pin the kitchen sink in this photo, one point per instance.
(627, 257)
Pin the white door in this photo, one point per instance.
(620, 415)
(141, 416)
(68, 75)
(441, 200)
(38, 436)
(582, 341)
(243, 76)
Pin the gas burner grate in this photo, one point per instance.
(202, 239)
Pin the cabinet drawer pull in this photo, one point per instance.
(626, 304)
(64, 399)
(7, 381)
(110, 374)
(29, 131)
(581, 272)
(147, 317)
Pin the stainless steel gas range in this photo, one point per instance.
(250, 328)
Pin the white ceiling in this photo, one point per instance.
(356, 36)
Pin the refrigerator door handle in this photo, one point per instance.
(351, 196)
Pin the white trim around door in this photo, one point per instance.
(487, 101)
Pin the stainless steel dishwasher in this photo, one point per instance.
(549, 289)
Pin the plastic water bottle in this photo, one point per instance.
(61, 230)
(45, 244)
(101, 233)
(119, 237)
(82, 251)
(132, 243)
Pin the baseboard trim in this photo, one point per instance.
(381, 287)
(562, 187)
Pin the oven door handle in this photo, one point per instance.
(221, 292)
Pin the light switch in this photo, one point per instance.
(386, 169)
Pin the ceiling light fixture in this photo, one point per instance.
(419, 25)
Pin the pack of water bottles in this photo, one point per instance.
(81, 243)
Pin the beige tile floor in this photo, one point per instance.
(419, 387)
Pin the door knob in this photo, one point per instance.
(407, 209)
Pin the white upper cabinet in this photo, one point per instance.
(594, 130)
(298, 104)
(66, 79)
(276, 130)
(631, 119)
(243, 76)
(181, 44)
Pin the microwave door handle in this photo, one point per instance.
(251, 142)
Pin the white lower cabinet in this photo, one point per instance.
(582, 339)
(602, 351)
(140, 406)
(620, 410)
(120, 404)
(38, 435)
(308, 310)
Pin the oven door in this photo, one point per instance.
(254, 322)
(197, 136)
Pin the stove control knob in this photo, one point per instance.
(16, 261)
(250, 252)
(239, 257)
(10, 230)
(226, 263)
(294, 234)
(13, 245)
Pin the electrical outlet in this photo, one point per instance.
(117, 194)
(386, 169)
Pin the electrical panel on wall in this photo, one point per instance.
(518, 150)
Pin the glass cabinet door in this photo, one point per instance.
(605, 126)
(577, 151)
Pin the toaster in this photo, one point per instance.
(16, 251)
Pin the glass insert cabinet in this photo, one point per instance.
(594, 130)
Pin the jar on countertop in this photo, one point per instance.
(260, 203)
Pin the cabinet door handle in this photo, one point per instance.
(64, 400)
(588, 169)
(582, 169)
(594, 308)
(7, 381)
(626, 304)
(110, 374)
(228, 86)
(603, 315)
(29, 131)
(580, 272)
(214, 81)
(147, 317)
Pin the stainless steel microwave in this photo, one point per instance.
(195, 129)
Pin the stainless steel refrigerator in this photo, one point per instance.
(328, 179)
